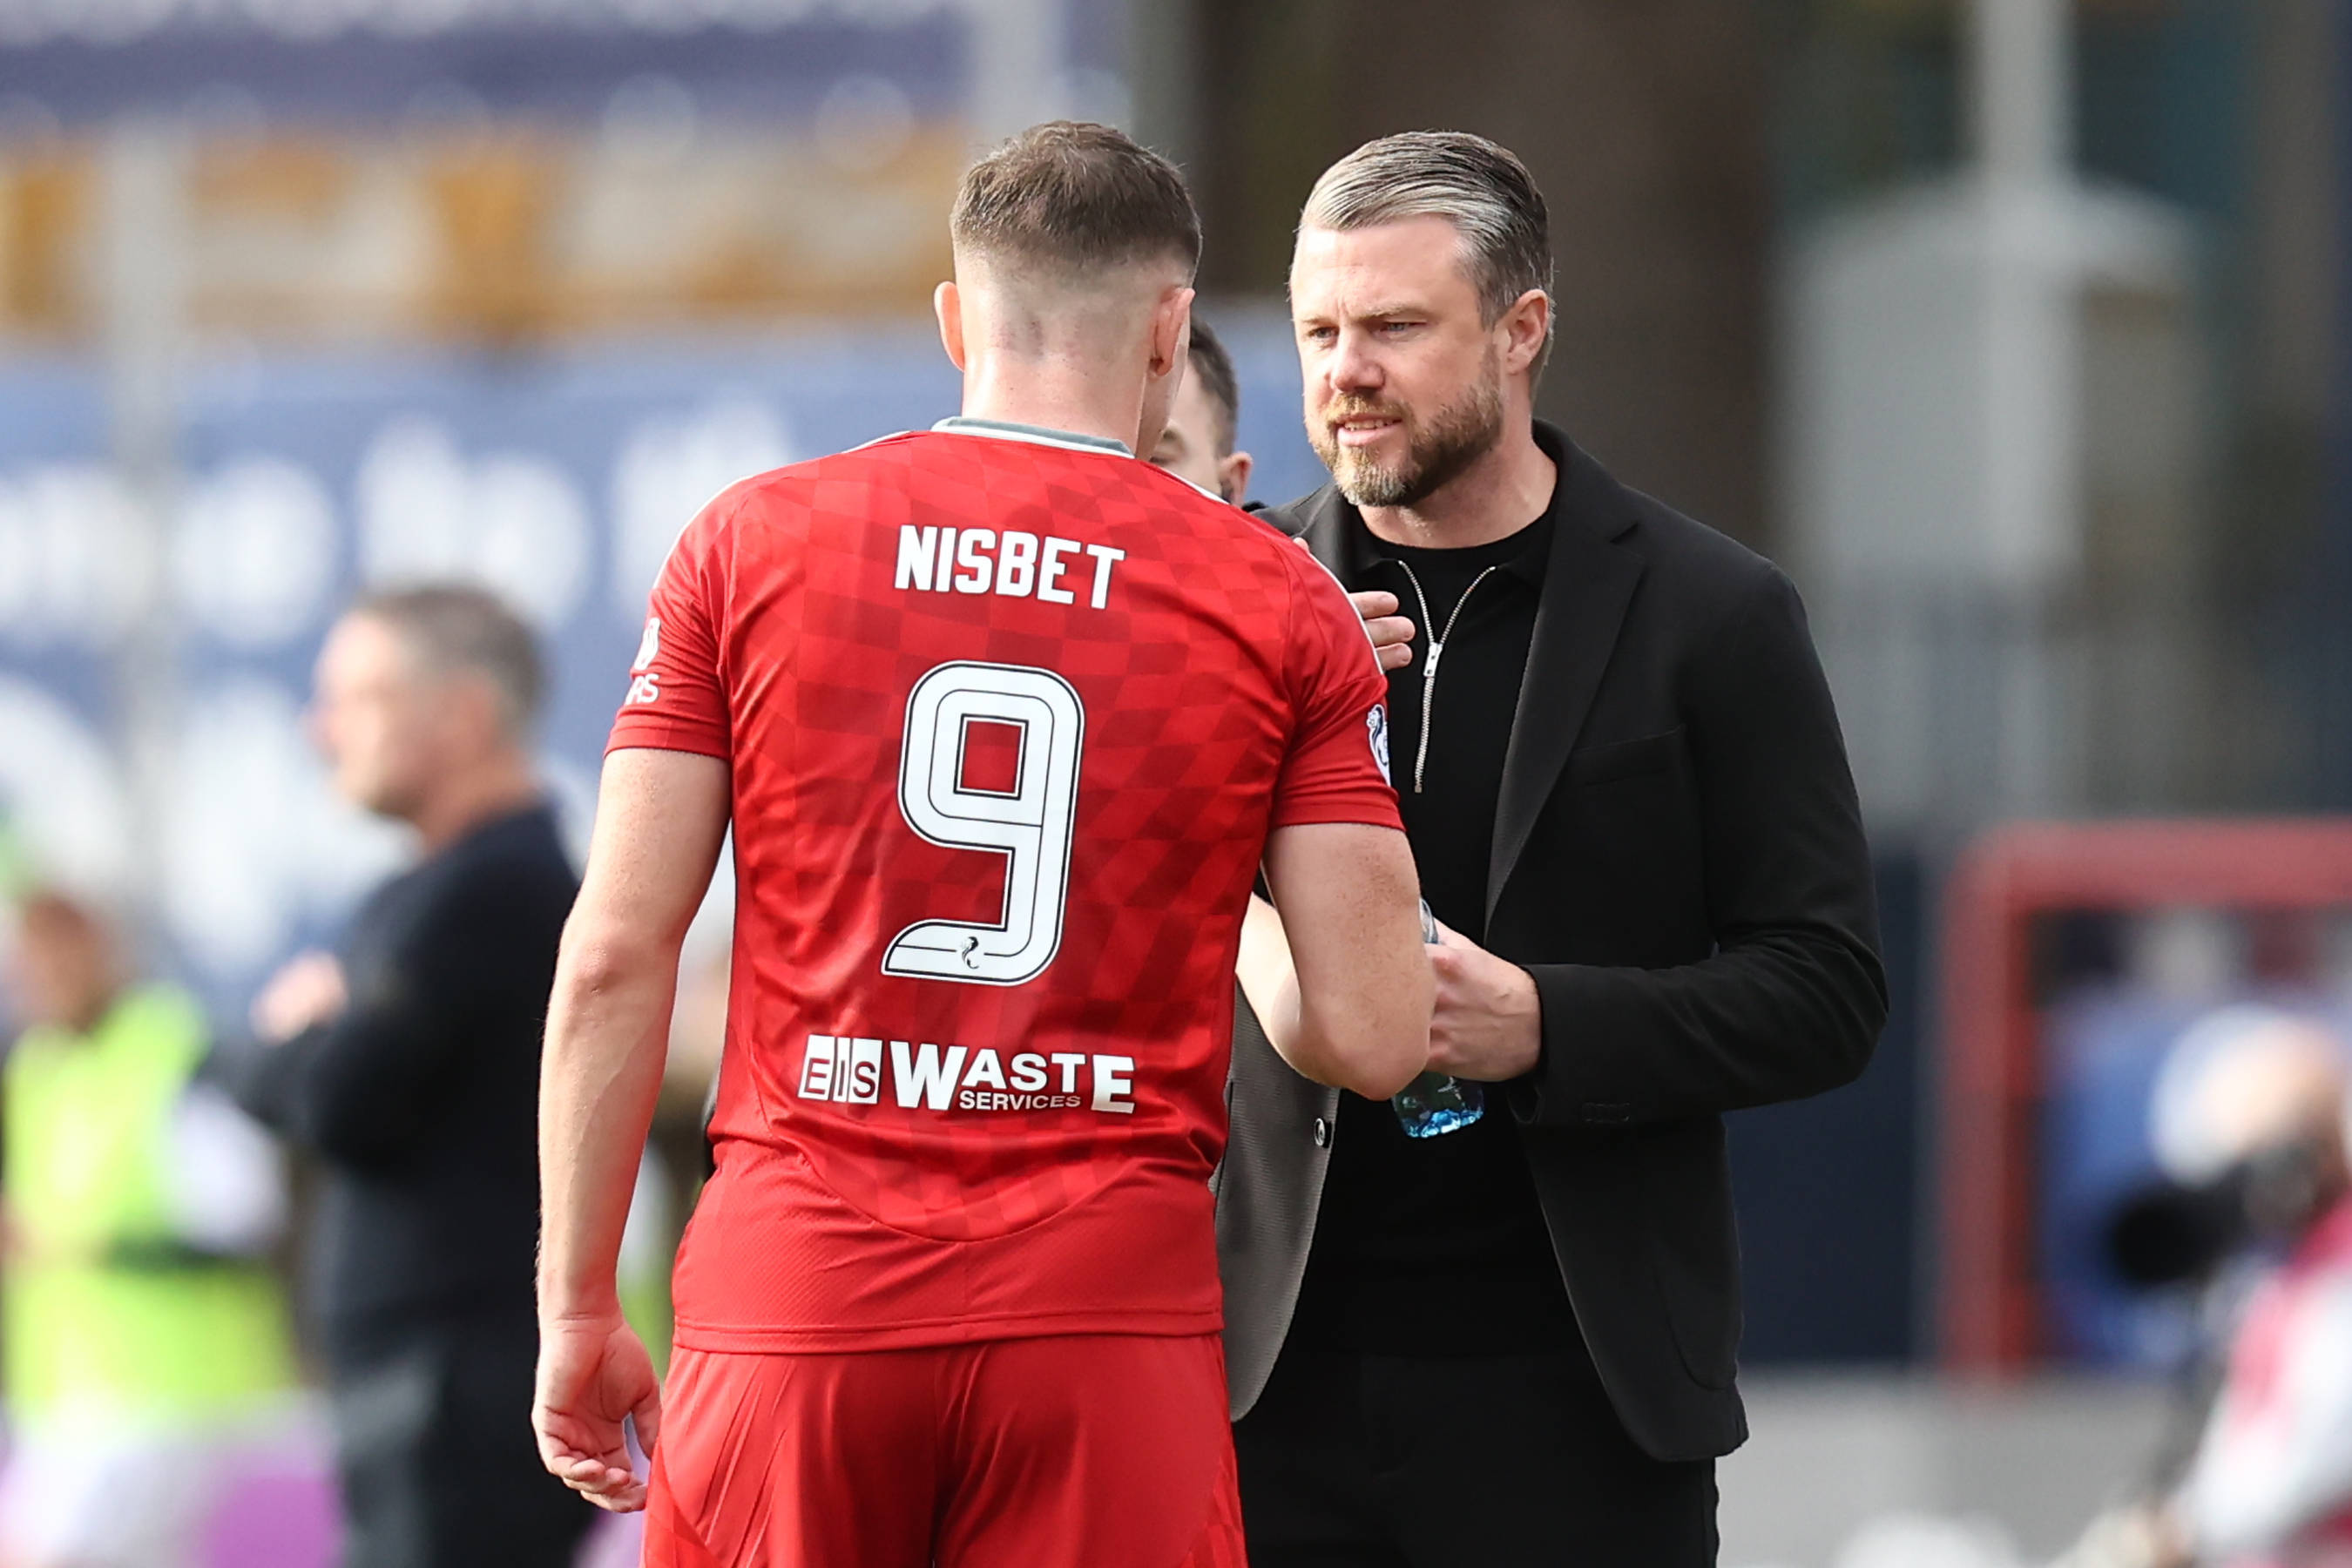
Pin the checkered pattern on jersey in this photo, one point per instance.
(1185, 725)
(1188, 678)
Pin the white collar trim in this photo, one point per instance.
(1035, 434)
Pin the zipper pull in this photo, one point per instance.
(1428, 698)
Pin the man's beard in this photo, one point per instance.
(1435, 455)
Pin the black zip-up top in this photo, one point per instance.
(1474, 614)
(1437, 1245)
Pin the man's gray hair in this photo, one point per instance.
(1479, 187)
(457, 626)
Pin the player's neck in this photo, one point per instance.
(1055, 395)
(1494, 497)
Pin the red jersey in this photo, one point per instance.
(1009, 715)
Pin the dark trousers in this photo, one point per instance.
(435, 1458)
(1507, 1461)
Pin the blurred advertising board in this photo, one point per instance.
(513, 169)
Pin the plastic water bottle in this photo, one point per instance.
(1437, 1103)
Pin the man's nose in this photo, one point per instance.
(1354, 366)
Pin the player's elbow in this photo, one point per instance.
(1397, 1050)
(1375, 1041)
(1380, 1072)
(599, 960)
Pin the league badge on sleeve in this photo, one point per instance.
(646, 687)
(1377, 722)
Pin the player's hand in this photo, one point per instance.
(1392, 634)
(1488, 1022)
(309, 990)
(593, 1374)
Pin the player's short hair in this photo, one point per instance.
(1214, 367)
(1478, 186)
(457, 626)
(1076, 197)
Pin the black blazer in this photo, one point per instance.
(1678, 861)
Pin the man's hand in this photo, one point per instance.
(593, 1372)
(309, 990)
(1488, 1025)
(1392, 634)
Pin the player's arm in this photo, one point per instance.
(660, 817)
(1339, 978)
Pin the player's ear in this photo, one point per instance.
(1171, 331)
(946, 303)
(1233, 477)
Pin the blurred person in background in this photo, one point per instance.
(409, 1065)
(2249, 1117)
(1198, 442)
(145, 1326)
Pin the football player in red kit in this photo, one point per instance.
(1005, 720)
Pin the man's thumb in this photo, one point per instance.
(646, 1417)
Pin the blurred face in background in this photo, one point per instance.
(391, 730)
(1404, 383)
(1191, 446)
(2283, 1106)
(2253, 1100)
(62, 971)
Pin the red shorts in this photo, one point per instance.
(1094, 1451)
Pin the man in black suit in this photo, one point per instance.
(1630, 806)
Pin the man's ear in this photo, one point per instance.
(469, 700)
(1171, 331)
(1233, 477)
(946, 303)
(1527, 327)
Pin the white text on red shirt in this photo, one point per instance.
(848, 1070)
(1013, 563)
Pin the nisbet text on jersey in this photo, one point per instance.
(1013, 564)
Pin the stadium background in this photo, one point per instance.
(2012, 327)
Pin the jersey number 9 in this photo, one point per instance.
(1030, 825)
